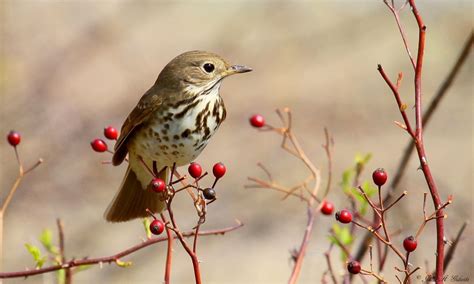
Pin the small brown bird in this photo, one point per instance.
(172, 123)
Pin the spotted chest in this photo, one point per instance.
(179, 134)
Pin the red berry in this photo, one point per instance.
(158, 185)
(410, 244)
(379, 176)
(14, 138)
(219, 170)
(157, 227)
(195, 170)
(344, 216)
(257, 121)
(327, 208)
(111, 133)
(354, 267)
(99, 145)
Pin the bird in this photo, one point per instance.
(171, 125)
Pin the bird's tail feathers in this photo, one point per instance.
(132, 200)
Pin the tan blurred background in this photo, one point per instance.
(70, 68)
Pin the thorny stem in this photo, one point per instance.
(410, 147)
(418, 137)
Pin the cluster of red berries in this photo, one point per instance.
(218, 170)
(99, 145)
(195, 171)
(14, 138)
(409, 244)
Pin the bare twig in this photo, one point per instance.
(4, 205)
(330, 269)
(395, 12)
(291, 145)
(115, 257)
(62, 255)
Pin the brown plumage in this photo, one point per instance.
(172, 123)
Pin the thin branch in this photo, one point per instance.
(169, 251)
(401, 105)
(328, 147)
(62, 255)
(304, 244)
(115, 257)
(18, 180)
(330, 269)
(401, 30)
(192, 255)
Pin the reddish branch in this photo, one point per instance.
(418, 138)
(192, 254)
(433, 106)
(380, 211)
(421, 148)
(169, 251)
(115, 257)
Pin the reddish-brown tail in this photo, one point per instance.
(132, 200)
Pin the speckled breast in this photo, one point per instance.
(179, 134)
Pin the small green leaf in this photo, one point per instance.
(346, 180)
(123, 263)
(46, 239)
(346, 237)
(363, 159)
(146, 224)
(369, 189)
(343, 234)
(36, 253)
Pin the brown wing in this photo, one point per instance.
(147, 104)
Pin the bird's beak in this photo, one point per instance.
(234, 69)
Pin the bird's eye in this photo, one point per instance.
(208, 67)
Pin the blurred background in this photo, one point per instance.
(69, 68)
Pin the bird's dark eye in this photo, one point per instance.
(208, 67)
